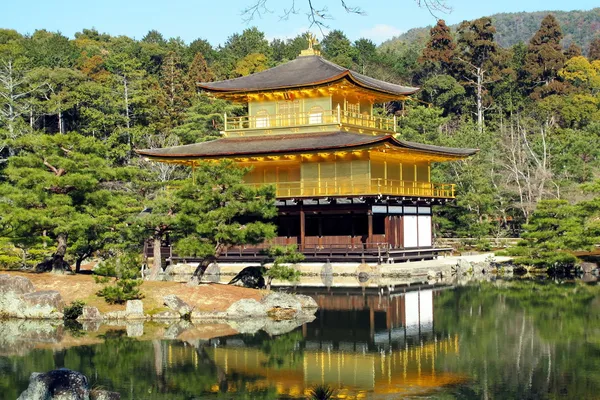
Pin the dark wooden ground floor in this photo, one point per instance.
(354, 230)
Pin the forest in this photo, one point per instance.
(73, 111)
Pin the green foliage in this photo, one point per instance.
(125, 267)
(321, 392)
(74, 310)
(554, 229)
(280, 256)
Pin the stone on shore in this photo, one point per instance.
(246, 308)
(62, 384)
(166, 315)
(90, 314)
(15, 284)
(104, 395)
(177, 305)
(44, 304)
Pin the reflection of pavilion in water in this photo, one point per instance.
(358, 344)
(390, 320)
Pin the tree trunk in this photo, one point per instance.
(157, 258)
(480, 99)
(60, 123)
(56, 263)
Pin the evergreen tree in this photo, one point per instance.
(199, 72)
(594, 50)
(544, 54)
(175, 95)
(337, 47)
(572, 51)
(475, 51)
(439, 52)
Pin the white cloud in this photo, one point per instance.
(380, 33)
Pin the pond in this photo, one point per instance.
(495, 340)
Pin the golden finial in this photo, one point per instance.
(311, 51)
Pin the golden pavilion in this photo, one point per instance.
(347, 187)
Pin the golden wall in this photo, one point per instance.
(339, 175)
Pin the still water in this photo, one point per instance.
(501, 340)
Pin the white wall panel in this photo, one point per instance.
(410, 231)
(424, 231)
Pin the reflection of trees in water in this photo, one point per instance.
(524, 339)
(282, 351)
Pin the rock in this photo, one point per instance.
(463, 265)
(213, 269)
(15, 284)
(174, 330)
(134, 309)
(363, 277)
(327, 269)
(91, 326)
(44, 304)
(206, 315)
(248, 325)
(247, 308)
(115, 315)
(62, 384)
(90, 314)
(280, 314)
(307, 302)
(19, 336)
(166, 315)
(178, 305)
(104, 395)
(586, 267)
(281, 300)
(135, 329)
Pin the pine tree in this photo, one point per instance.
(594, 51)
(199, 72)
(544, 54)
(175, 96)
(439, 51)
(475, 51)
(572, 51)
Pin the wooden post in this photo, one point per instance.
(302, 228)
(320, 216)
(389, 237)
(370, 232)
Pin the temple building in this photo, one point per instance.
(347, 187)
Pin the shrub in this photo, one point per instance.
(73, 311)
(283, 255)
(125, 267)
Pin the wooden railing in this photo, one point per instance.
(325, 117)
(357, 187)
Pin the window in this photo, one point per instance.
(288, 112)
(315, 115)
(353, 108)
(262, 119)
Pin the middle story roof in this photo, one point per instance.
(288, 144)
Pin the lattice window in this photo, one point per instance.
(288, 112)
(262, 119)
(353, 108)
(315, 115)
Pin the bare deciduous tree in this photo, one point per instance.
(318, 14)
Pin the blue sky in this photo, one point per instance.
(217, 20)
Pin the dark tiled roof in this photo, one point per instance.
(292, 143)
(301, 72)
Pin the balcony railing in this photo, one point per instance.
(326, 117)
(350, 187)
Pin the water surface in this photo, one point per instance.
(521, 340)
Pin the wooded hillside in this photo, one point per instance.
(72, 111)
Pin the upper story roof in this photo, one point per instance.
(304, 71)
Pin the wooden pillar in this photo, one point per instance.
(389, 236)
(302, 238)
(352, 229)
(320, 217)
(370, 232)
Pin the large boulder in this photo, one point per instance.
(178, 305)
(62, 384)
(281, 300)
(15, 284)
(307, 302)
(44, 304)
(104, 395)
(247, 308)
(134, 309)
